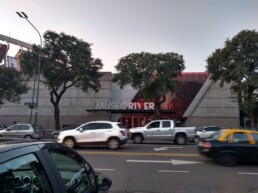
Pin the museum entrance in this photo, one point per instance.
(138, 120)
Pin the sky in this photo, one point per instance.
(116, 28)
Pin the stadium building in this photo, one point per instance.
(198, 102)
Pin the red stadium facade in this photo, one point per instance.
(174, 106)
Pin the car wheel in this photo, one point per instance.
(196, 139)
(55, 136)
(180, 139)
(69, 142)
(28, 137)
(113, 144)
(137, 139)
(228, 159)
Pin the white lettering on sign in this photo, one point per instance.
(134, 105)
(131, 106)
(149, 106)
(152, 106)
(125, 105)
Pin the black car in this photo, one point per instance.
(229, 146)
(46, 167)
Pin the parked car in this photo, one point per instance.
(2, 126)
(68, 127)
(229, 146)
(111, 134)
(30, 167)
(162, 130)
(23, 130)
(206, 132)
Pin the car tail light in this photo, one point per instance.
(123, 132)
(206, 144)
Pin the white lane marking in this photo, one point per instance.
(166, 148)
(173, 162)
(102, 169)
(182, 162)
(247, 173)
(148, 161)
(172, 171)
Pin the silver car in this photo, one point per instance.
(23, 130)
(207, 131)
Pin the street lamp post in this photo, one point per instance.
(37, 76)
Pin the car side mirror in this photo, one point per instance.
(7, 129)
(204, 131)
(79, 129)
(103, 182)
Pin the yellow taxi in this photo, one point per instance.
(230, 146)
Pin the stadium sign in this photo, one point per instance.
(125, 105)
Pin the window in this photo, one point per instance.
(23, 174)
(90, 126)
(37, 128)
(103, 126)
(14, 128)
(120, 125)
(218, 134)
(76, 176)
(94, 126)
(24, 127)
(166, 124)
(255, 136)
(154, 124)
(240, 137)
(211, 129)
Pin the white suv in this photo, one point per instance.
(111, 134)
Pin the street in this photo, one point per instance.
(168, 168)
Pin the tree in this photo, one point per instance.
(12, 85)
(66, 62)
(152, 73)
(237, 64)
(3, 51)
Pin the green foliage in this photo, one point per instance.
(12, 85)
(237, 64)
(65, 62)
(152, 73)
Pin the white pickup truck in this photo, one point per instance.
(162, 130)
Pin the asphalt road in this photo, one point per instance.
(168, 168)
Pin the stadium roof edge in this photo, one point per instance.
(15, 41)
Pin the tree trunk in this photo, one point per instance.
(55, 99)
(57, 116)
(158, 102)
(157, 110)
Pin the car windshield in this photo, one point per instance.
(217, 134)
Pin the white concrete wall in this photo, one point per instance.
(215, 106)
(72, 106)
